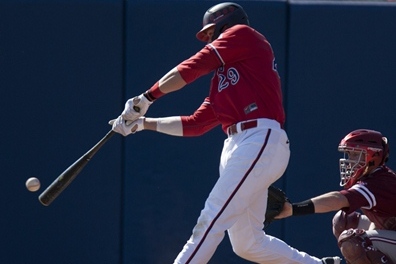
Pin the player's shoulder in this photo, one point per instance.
(239, 29)
(383, 173)
(382, 178)
(242, 32)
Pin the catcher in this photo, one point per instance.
(369, 185)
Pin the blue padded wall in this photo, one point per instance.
(68, 67)
(61, 81)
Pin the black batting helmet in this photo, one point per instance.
(222, 16)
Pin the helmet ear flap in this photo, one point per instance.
(223, 28)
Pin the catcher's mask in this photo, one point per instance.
(364, 150)
(221, 17)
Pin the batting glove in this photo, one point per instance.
(136, 107)
(125, 127)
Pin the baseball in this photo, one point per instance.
(33, 184)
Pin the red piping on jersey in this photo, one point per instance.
(230, 198)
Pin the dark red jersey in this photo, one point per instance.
(203, 120)
(375, 195)
(245, 84)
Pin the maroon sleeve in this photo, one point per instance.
(203, 120)
(198, 65)
(357, 197)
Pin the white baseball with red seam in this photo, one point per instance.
(33, 184)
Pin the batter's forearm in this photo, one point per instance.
(168, 125)
(150, 124)
(172, 81)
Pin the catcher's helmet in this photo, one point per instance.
(364, 150)
(221, 17)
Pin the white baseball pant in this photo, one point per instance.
(250, 162)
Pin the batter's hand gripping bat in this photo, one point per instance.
(63, 180)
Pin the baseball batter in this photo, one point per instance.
(245, 99)
(369, 186)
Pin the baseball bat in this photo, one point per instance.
(64, 179)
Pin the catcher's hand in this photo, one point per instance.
(276, 201)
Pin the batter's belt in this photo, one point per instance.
(244, 125)
(241, 126)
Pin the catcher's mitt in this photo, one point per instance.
(275, 203)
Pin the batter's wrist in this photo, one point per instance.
(303, 208)
(153, 93)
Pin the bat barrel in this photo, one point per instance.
(66, 177)
(62, 181)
